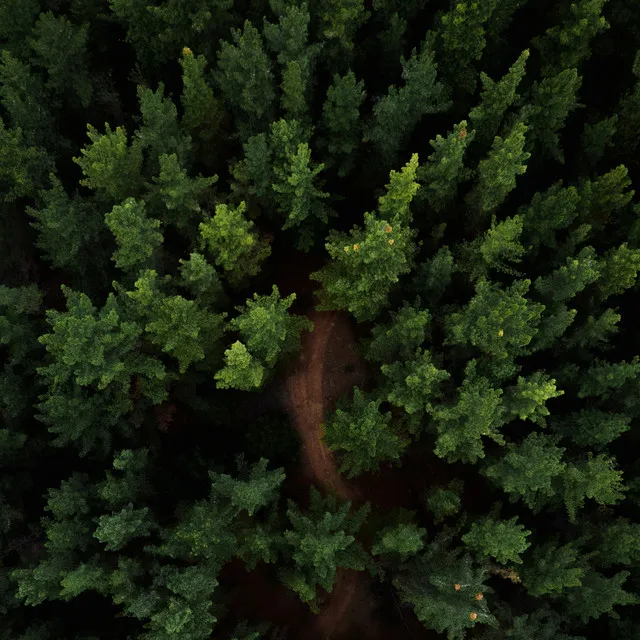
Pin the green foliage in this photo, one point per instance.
(444, 168)
(202, 111)
(179, 195)
(599, 595)
(396, 115)
(363, 435)
(70, 231)
(399, 541)
(433, 276)
(110, 165)
(267, 329)
(462, 35)
(527, 398)
(594, 477)
(602, 379)
(233, 243)
(116, 530)
(528, 470)
(413, 384)
(619, 270)
(497, 173)
(567, 45)
(597, 137)
(476, 411)
(564, 283)
(245, 79)
(136, 235)
(592, 428)
(341, 122)
(443, 587)
(499, 322)
(553, 100)
(366, 263)
(241, 371)
(319, 542)
(496, 98)
(551, 569)
(201, 279)
(399, 339)
(616, 542)
(252, 489)
(503, 540)
(443, 502)
(60, 47)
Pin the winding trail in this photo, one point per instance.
(328, 366)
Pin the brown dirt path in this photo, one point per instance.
(328, 366)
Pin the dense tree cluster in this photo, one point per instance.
(462, 176)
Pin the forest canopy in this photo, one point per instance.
(317, 319)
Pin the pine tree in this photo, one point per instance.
(267, 328)
(567, 45)
(433, 276)
(597, 137)
(443, 502)
(551, 569)
(620, 266)
(60, 47)
(363, 435)
(497, 173)
(527, 470)
(446, 590)
(499, 322)
(366, 263)
(202, 111)
(599, 595)
(595, 333)
(137, 235)
(399, 339)
(552, 101)
(615, 542)
(319, 542)
(595, 477)
(160, 133)
(233, 243)
(503, 540)
(496, 98)
(462, 37)
(527, 398)
(444, 169)
(246, 80)
(111, 166)
(241, 371)
(564, 283)
(341, 124)
(399, 542)
(396, 115)
(201, 279)
(628, 126)
(476, 411)
(413, 384)
(592, 428)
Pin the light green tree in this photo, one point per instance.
(241, 371)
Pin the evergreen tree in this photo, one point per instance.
(462, 38)
(444, 168)
(615, 542)
(597, 137)
(319, 542)
(552, 101)
(497, 173)
(592, 428)
(552, 569)
(567, 45)
(363, 435)
(111, 166)
(60, 47)
(366, 263)
(443, 502)
(241, 371)
(476, 411)
(527, 398)
(503, 540)
(233, 243)
(496, 98)
(341, 124)
(396, 115)
(267, 329)
(245, 79)
(446, 590)
(528, 470)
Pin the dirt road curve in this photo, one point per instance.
(312, 390)
(327, 367)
